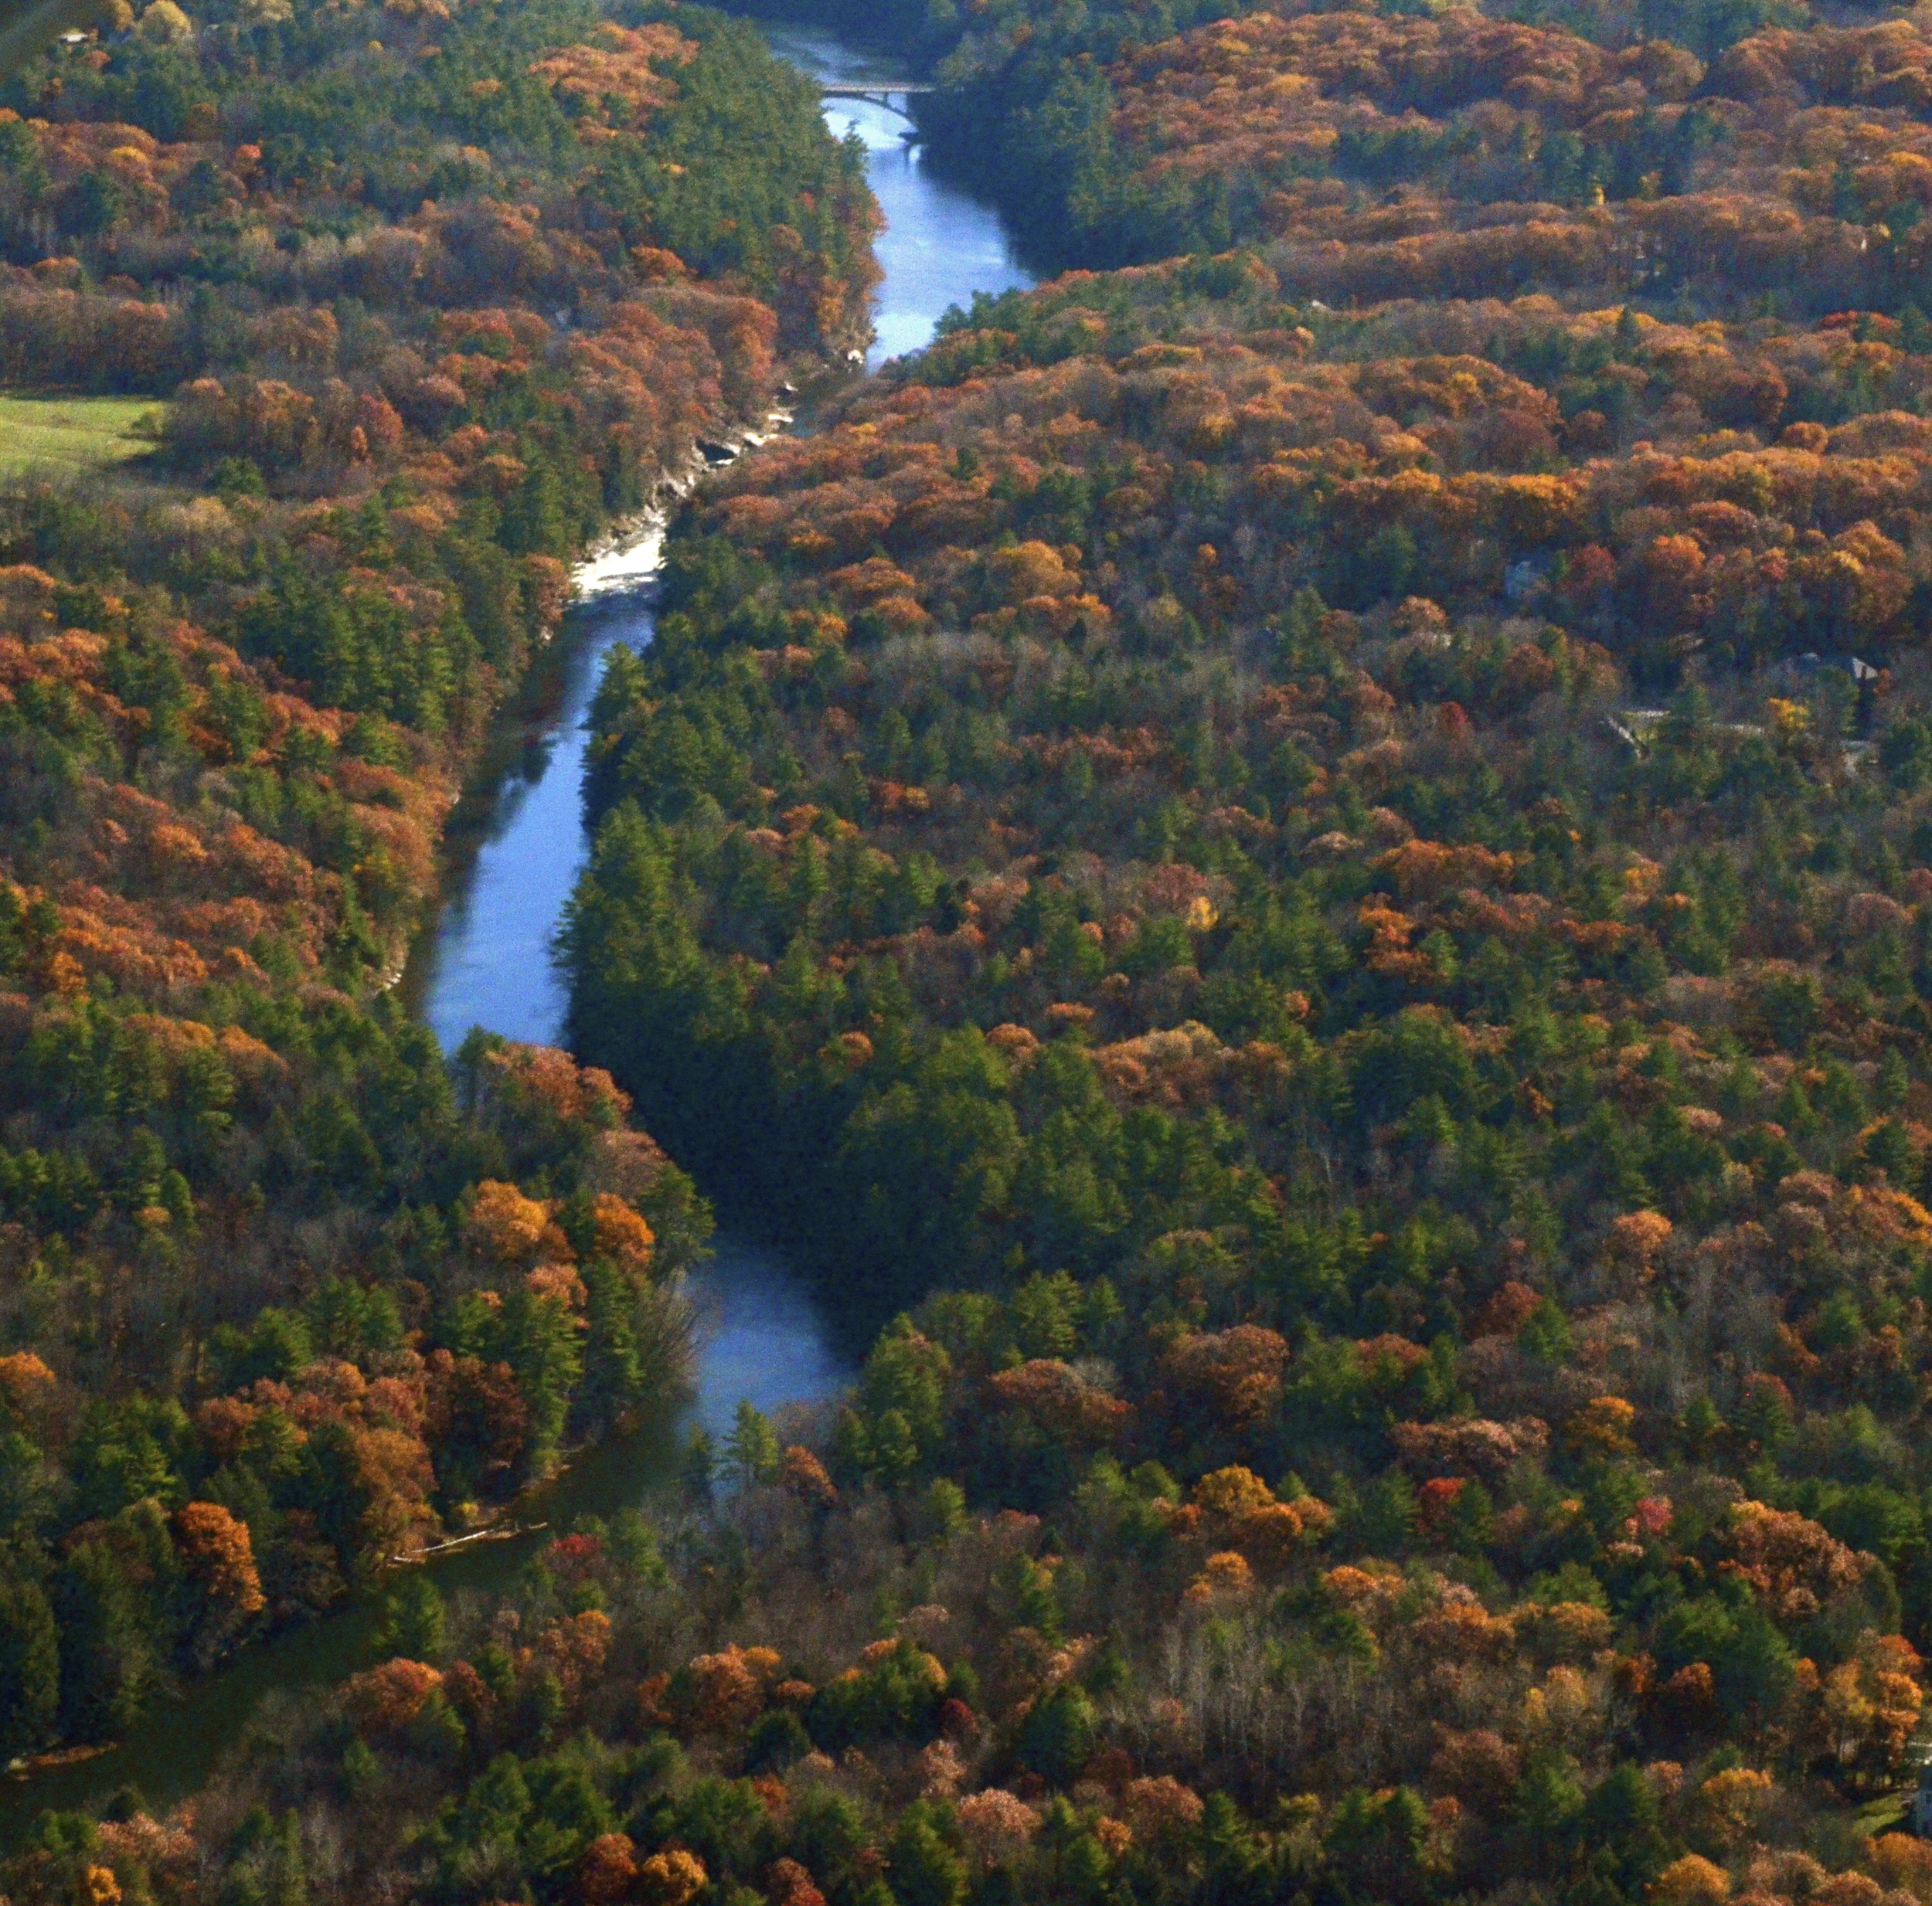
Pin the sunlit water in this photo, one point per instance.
(940, 245)
(519, 850)
(517, 847)
(489, 961)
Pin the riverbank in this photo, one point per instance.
(757, 1338)
(304, 1293)
(761, 1336)
(516, 845)
(481, 956)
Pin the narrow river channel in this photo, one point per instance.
(514, 848)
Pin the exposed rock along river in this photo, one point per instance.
(514, 850)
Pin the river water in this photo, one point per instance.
(518, 849)
(940, 245)
(514, 848)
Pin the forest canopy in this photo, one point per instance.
(1311, 851)
(1298, 867)
(437, 298)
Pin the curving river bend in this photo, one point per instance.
(514, 850)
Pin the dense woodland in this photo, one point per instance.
(432, 300)
(1315, 855)
(1301, 865)
(1112, 135)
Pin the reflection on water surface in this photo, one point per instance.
(517, 846)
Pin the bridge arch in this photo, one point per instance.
(894, 99)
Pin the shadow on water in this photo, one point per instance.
(939, 245)
(516, 845)
(513, 851)
(760, 1339)
(178, 1743)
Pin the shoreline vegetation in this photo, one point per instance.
(420, 308)
(1298, 865)
(1186, 840)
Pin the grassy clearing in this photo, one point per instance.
(1887, 1814)
(72, 435)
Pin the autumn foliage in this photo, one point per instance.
(427, 307)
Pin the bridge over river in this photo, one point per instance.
(892, 97)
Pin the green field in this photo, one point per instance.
(71, 434)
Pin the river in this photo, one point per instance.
(514, 848)
(940, 245)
